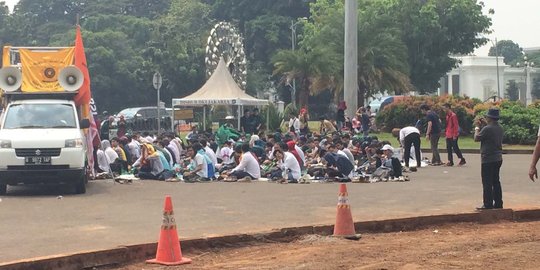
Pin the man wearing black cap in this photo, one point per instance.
(490, 138)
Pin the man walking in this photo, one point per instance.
(452, 135)
(433, 133)
(490, 138)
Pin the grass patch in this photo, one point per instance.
(465, 142)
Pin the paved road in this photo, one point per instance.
(34, 222)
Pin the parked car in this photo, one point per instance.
(140, 119)
(379, 104)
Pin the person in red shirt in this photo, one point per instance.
(452, 135)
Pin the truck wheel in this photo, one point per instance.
(80, 186)
(3, 189)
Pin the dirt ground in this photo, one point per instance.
(458, 246)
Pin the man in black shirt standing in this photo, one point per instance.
(490, 138)
(255, 121)
(245, 126)
(433, 133)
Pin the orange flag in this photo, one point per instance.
(84, 95)
(83, 98)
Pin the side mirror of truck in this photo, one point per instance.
(85, 123)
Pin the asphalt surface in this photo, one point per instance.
(36, 222)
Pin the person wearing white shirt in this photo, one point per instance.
(198, 169)
(408, 137)
(109, 152)
(301, 154)
(174, 148)
(346, 151)
(294, 124)
(225, 153)
(288, 164)
(209, 152)
(248, 167)
(134, 149)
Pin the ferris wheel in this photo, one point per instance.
(225, 42)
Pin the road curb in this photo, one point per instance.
(141, 252)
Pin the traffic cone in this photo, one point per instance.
(344, 223)
(169, 251)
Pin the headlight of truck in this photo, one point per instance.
(74, 143)
(5, 144)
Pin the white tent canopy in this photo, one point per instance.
(220, 89)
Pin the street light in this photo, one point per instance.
(497, 57)
(528, 66)
(293, 41)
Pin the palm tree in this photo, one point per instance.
(382, 55)
(314, 70)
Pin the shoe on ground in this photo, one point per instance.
(436, 164)
(449, 164)
(292, 181)
(483, 207)
(230, 180)
(246, 179)
(462, 162)
(413, 169)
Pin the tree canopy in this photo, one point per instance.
(508, 49)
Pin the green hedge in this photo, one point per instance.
(407, 111)
(520, 123)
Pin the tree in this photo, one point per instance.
(512, 91)
(433, 30)
(510, 50)
(382, 56)
(313, 69)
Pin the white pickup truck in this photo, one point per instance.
(41, 141)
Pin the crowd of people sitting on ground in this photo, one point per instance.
(340, 153)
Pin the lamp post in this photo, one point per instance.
(293, 43)
(528, 66)
(497, 60)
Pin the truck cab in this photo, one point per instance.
(41, 141)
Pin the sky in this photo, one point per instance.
(516, 20)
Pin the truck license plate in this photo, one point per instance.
(37, 160)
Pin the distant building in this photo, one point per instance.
(476, 76)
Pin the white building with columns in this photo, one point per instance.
(477, 77)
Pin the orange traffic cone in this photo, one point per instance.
(344, 223)
(169, 251)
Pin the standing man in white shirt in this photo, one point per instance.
(294, 124)
(410, 136)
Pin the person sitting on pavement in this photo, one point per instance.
(149, 164)
(198, 168)
(291, 146)
(209, 152)
(346, 151)
(248, 169)
(256, 145)
(288, 164)
(391, 162)
(102, 161)
(337, 166)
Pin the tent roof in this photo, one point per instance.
(219, 89)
